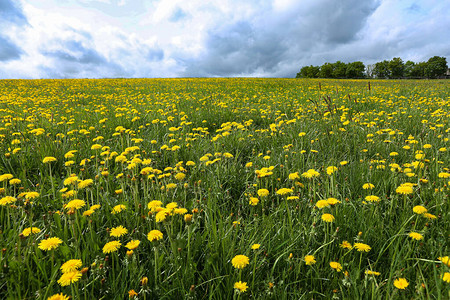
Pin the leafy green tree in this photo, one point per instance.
(436, 66)
(339, 69)
(409, 67)
(309, 72)
(396, 68)
(381, 69)
(326, 70)
(355, 70)
(418, 70)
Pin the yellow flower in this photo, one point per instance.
(240, 261)
(311, 173)
(118, 231)
(154, 235)
(331, 170)
(71, 180)
(444, 175)
(401, 283)
(445, 260)
(404, 189)
(361, 247)
(111, 246)
(30, 230)
(96, 147)
(75, 204)
(255, 246)
(310, 260)
(415, 236)
(118, 208)
(133, 244)
(294, 176)
(31, 195)
(48, 159)
(263, 192)
(253, 201)
(7, 200)
(60, 296)
(284, 191)
(71, 265)
(69, 278)
(322, 203)
(132, 294)
(50, 243)
(446, 277)
(335, 265)
(85, 183)
(15, 181)
(328, 218)
(241, 286)
(372, 198)
(369, 272)
(162, 215)
(368, 186)
(346, 245)
(152, 205)
(419, 209)
(180, 176)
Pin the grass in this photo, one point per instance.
(231, 138)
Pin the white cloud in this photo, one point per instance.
(168, 38)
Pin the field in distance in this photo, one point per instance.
(224, 188)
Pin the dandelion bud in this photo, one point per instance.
(84, 270)
(188, 218)
(144, 281)
(130, 253)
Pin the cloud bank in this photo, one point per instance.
(173, 38)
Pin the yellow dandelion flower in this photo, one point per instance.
(154, 235)
(152, 205)
(404, 189)
(445, 260)
(372, 198)
(48, 159)
(71, 265)
(310, 260)
(118, 208)
(255, 246)
(322, 203)
(446, 277)
(415, 236)
(253, 201)
(31, 195)
(401, 283)
(368, 186)
(346, 245)
(30, 230)
(60, 296)
(328, 218)
(361, 247)
(111, 246)
(75, 204)
(284, 191)
(330, 170)
(69, 278)
(369, 272)
(335, 265)
(263, 192)
(133, 244)
(241, 286)
(240, 261)
(7, 200)
(50, 243)
(419, 209)
(118, 231)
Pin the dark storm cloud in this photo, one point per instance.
(270, 42)
(10, 11)
(74, 59)
(8, 50)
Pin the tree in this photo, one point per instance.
(339, 69)
(396, 68)
(355, 70)
(326, 70)
(436, 66)
(381, 69)
(309, 72)
(418, 70)
(409, 67)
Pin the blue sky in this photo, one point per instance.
(190, 38)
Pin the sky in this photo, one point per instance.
(212, 38)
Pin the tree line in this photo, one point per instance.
(435, 67)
